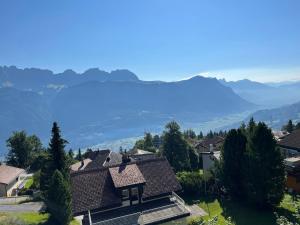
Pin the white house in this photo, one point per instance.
(9, 180)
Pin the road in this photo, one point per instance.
(25, 207)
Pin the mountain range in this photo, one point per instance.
(264, 95)
(96, 106)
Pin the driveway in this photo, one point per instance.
(25, 207)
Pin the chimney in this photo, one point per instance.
(211, 147)
(125, 157)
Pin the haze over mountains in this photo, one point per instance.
(97, 106)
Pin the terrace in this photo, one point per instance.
(150, 212)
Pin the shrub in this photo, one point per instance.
(196, 221)
(191, 182)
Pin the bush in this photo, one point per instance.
(191, 182)
(196, 221)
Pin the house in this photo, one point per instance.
(209, 144)
(290, 144)
(9, 180)
(209, 159)
(118, 191)
(98, 159)
(292, 166)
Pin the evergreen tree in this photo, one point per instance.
(251, 125)
(210, 134)
(194, 158)
(232, 159)
(156, 141)
(264, 168)
(79, 155)
(297, 126)
(148, 143)
(200, 136)
(189, 134)
(56, 160)
(71, 153)
(289, 127)
(59, 199)
(175, 148)
(56, 150)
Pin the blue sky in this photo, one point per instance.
(156, 39)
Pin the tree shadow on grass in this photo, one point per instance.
(244, 214)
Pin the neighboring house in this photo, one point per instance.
(98, 159)
(292, 166)
(290, 144)
(209, 159)
(9, 180)
(279, 135)
(209, 144)
(122, 188)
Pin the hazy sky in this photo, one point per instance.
(156, 39)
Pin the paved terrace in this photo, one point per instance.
(152, 212)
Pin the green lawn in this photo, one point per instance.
(240, 214)
(34, 218)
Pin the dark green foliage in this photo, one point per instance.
(189, 134)
(56, 160)
(297, 126)
(79, 155)
(59, 199)
(200, 136)
(39, 161)
(146, 143)
(23, 149)
(191, 182)
(264, 169)
(156, 141)
(194, 158)
(210, 134)
(255, 172)
(232, 159)
(289, 127)
(56, 150)
(175, 148)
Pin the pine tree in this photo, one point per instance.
(200, 136)
(175, 148)
(56, 160)
(79, 155)
(264, 168)
(56, 150)
(289, 127)
(232, 159)
(59, 199)
(194, 158)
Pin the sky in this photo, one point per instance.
(156, 39)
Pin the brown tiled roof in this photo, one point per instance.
(92, 189)
(126, 175)
(204, 145)
(291, 141)
(160, 177)
(9, 173)
(79, 166)
(98, 159)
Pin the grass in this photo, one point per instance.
(34, 218)
(29, 183)
(241, 214)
